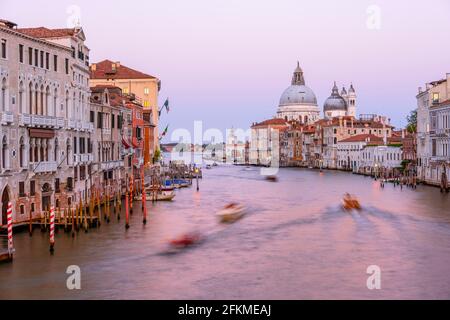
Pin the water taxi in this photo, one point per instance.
(231, 213)
(350, 203)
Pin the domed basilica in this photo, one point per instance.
(298, 102)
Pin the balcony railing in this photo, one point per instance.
(79, 125)
(106, 131)
(7, 117)
(112, 164)
(87, 157)
(36, 120)
(43, 167)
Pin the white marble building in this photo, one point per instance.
(432, 123)
(44, 119)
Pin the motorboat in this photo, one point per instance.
(231, 213)
(350, 203)
(272, 178)
(208, 166)
(215, 164)
(186, 240)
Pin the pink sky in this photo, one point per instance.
(226, 62)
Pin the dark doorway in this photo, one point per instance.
(5, 200)
(46, 197)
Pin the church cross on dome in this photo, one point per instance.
(297, 79)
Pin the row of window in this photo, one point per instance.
(37, 58)
(440, 148)
(389, 157)
(101, 121)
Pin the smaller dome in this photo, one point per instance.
(335, 102)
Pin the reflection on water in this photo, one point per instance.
(294, 243)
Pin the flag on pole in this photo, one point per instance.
(166, 106)
(164, 132)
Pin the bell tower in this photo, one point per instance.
(351, 101)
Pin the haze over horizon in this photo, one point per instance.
(227, 62)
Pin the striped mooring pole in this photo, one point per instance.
(144, 198)
(127, 215)
(9, 220)
(52, 229)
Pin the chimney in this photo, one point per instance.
(93, 67)
(118, 64)
(403, 133)
(420, 90)
(385, 138)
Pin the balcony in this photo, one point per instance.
(71, 124)
(87, 126)
(106, 131)
(36, 120)
(6, 118)
(111, 164)
(440, 159)
(79, 125)
(87, 157)
(43, 167)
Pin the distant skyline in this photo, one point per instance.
(227, 62)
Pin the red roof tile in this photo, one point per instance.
(274, 121)
(363, 137)
(105, 70)
(42, 32)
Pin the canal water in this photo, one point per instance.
(295, 243)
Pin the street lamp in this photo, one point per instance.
(196, 176)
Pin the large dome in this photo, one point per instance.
(335, 102)
(298, 94)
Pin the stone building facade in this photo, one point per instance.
(45, 130)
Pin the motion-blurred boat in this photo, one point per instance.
(231, 213)
(186, 240)
(272, 178)
(350, 203)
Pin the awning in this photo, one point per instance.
(125, 143)
(42, 133)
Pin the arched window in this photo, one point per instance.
(21, 92)
(3, 95)
(42, 153)
(56, 155)
(41, 102)
(55, 102)
(30, 97)
(47, 101)
(21, 153)
(5, 159)
(67, 105)
(47, 150)
(81, 111)
(75, 107)
(36, 100)
(112, 151)
(68, 151)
